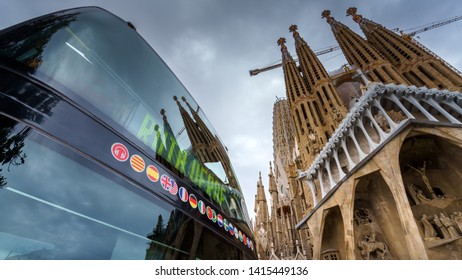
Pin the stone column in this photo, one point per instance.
(391, 173)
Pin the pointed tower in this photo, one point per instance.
(263, 234)
(319, 83)
(206, 146)
(275, 212)
(418, 64)
(307, 113)
(361, 54)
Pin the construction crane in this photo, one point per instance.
(432, 26)
(334, 48)
(317, 53)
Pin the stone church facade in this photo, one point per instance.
(367, 162)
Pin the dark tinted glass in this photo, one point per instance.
(101, 63)
(56, 204)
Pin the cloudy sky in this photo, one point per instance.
(211, 44)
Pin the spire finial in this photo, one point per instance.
(187, 104)
(281, 43)
(164, 115)
(352, 11)
(293, 28)
(326, 14)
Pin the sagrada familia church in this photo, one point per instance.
(367, 160)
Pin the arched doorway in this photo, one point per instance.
(333, 237)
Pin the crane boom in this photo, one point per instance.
(254, 72)
(435, 25)
(334, 48)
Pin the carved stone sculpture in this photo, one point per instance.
(369, 245)
(362, 216)
(456, 218)
(422, 172)
(449, 226)
(441, 228)
(429, 231)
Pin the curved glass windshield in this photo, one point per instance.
(102, 64)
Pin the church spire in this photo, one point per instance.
(360, 53)
(319, 83)
(272, 181)
(306, 111)
(418, 64)
(260, 191)
(311, 67)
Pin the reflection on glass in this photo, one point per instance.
(105, 66)
(55, 204)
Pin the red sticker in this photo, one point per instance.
(119, 152)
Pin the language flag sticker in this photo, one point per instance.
(214, 216)
(183, 194)
(119, 152)
(174, 188)
(231, 229)
(220, 220)
(193, 201)
(201, 206)
(209, 212)
(137, 163)
(152, 173)
(225, 224)
(166, 182)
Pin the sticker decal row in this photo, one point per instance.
(120, 153)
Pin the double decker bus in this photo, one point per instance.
(103, 152)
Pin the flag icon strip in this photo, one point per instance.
(209, 212)
(214, 216)
(166, 182)
(201, 207)
(231, 229)
(220, 220)
(193, 201)
(174, 188)
(183, 194)
(137, 163)
(153, 173)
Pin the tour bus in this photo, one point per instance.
(103, 152)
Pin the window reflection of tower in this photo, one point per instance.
(205, 145)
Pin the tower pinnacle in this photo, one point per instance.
(326, 14)
(352, 12)
(293, 28)
(362, 54)
(417, 64)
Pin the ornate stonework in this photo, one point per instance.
(382, 181)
